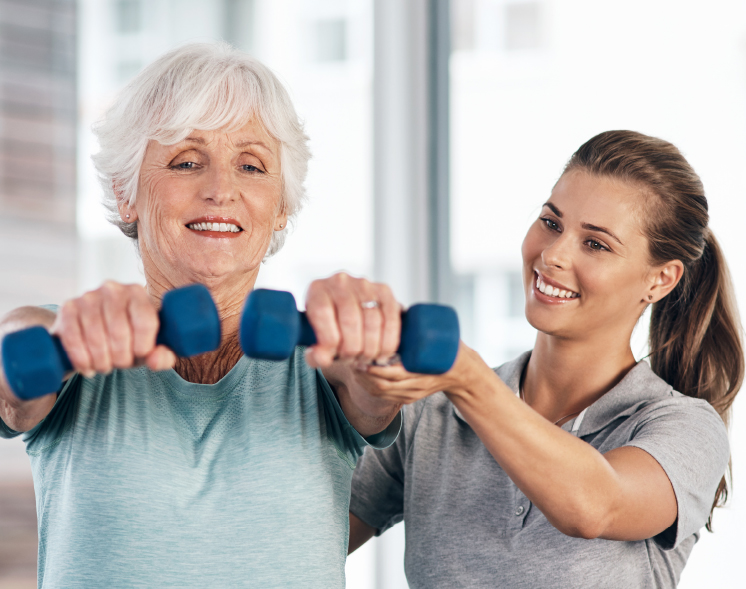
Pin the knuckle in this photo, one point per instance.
(349, 322)
(341, 278)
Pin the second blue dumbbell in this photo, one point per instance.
(271, 327)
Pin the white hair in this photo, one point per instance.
(203, 87)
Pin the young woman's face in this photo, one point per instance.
(586, 266)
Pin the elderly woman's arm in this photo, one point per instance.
(351, 334)
(367, 413)
(19, 415)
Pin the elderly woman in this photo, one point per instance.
(218, 470)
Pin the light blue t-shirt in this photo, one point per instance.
(145, 480)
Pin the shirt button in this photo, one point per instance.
(520, 510)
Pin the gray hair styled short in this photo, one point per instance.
(205, 87)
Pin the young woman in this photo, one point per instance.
(575, 465)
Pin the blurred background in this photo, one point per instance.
(438, 128)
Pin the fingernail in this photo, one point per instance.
(89, 373)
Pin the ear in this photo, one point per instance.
(127, 213)
(281, 220)
(662, 280)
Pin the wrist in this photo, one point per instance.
(468, 373)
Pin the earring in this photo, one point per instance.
(281, 225)
(128, 216)
(650, 297)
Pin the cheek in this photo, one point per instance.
(263, 204)
(531, 246)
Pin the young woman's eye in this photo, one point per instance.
(550, 224)
(597, 246)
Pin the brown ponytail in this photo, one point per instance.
(695, 332)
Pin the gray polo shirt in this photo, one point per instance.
(468, 525)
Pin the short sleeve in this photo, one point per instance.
(48, 431)
(689, 440)
(344, 435)
(378, 481)
(6, 432)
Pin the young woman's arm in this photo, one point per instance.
(622, 495)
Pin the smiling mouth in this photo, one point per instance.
(215, 227)
(553, 291)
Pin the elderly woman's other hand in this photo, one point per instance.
(114, 326)
(354, 320)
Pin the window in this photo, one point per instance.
(239, 24)
(128, 16)
(522, 26)
(331, 40)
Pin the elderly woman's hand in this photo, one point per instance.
(114, 326)
(354, 320)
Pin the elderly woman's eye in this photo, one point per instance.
(186, 166)
(250, 168)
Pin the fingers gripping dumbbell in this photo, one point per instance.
(271, 327)
(35, 361)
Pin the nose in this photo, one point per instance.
(557, 253)
(219, 187)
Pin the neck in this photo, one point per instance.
(229, 297)
(563, 377)
(209, 368)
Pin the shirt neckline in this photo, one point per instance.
(205, 391)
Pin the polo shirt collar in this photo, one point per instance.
(639, 386)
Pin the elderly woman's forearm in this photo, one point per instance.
(17, 414)
(368, 413)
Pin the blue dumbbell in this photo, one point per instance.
(271, 327)
(35, 362)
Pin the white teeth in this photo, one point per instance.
(553, 291)
(219, 227)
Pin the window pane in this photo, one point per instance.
(532, 81)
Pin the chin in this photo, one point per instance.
(547, 322)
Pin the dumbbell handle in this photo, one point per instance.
(271, 327)
(35, 362)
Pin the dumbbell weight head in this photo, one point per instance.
(430, 338)
(190, 324)
(44, 374)
(270, 325)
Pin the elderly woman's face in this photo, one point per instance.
(207, 206)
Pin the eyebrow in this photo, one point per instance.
(241, 144)
(587, 226)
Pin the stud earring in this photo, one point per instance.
(281, 225)
(128, 216)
